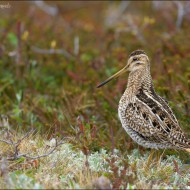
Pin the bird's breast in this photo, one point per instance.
(123, 106)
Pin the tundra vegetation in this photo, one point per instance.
(57, 129)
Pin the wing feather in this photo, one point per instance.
(145, 125)
(164, 125)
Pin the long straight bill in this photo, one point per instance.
(113, 76)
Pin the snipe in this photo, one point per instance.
(144, 115)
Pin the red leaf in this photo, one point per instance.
(80, 124)
(176, 166)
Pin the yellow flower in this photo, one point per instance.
(25, 35)
(148, 20)
(53, 44)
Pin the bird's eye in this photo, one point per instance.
(135, 59)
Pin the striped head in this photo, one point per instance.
(137, 60)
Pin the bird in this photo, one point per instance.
(146, 116)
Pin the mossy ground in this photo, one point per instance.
(56, 93)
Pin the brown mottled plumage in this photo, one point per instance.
(146, 116)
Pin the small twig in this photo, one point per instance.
(25, 136)
(113, 18)
(123, 6)
(47, 8)
(183, 9)
(180, 13)
(46, 154)
(76, 45)
(132, 27)
(53, 51)
(136, 31)
(15, 145)
(9, 143)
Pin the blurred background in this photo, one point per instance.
(53, 54)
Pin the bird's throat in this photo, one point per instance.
(139, 79)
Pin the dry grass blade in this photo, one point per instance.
(149, 161)
(53, 51)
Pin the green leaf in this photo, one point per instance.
(12, 39)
